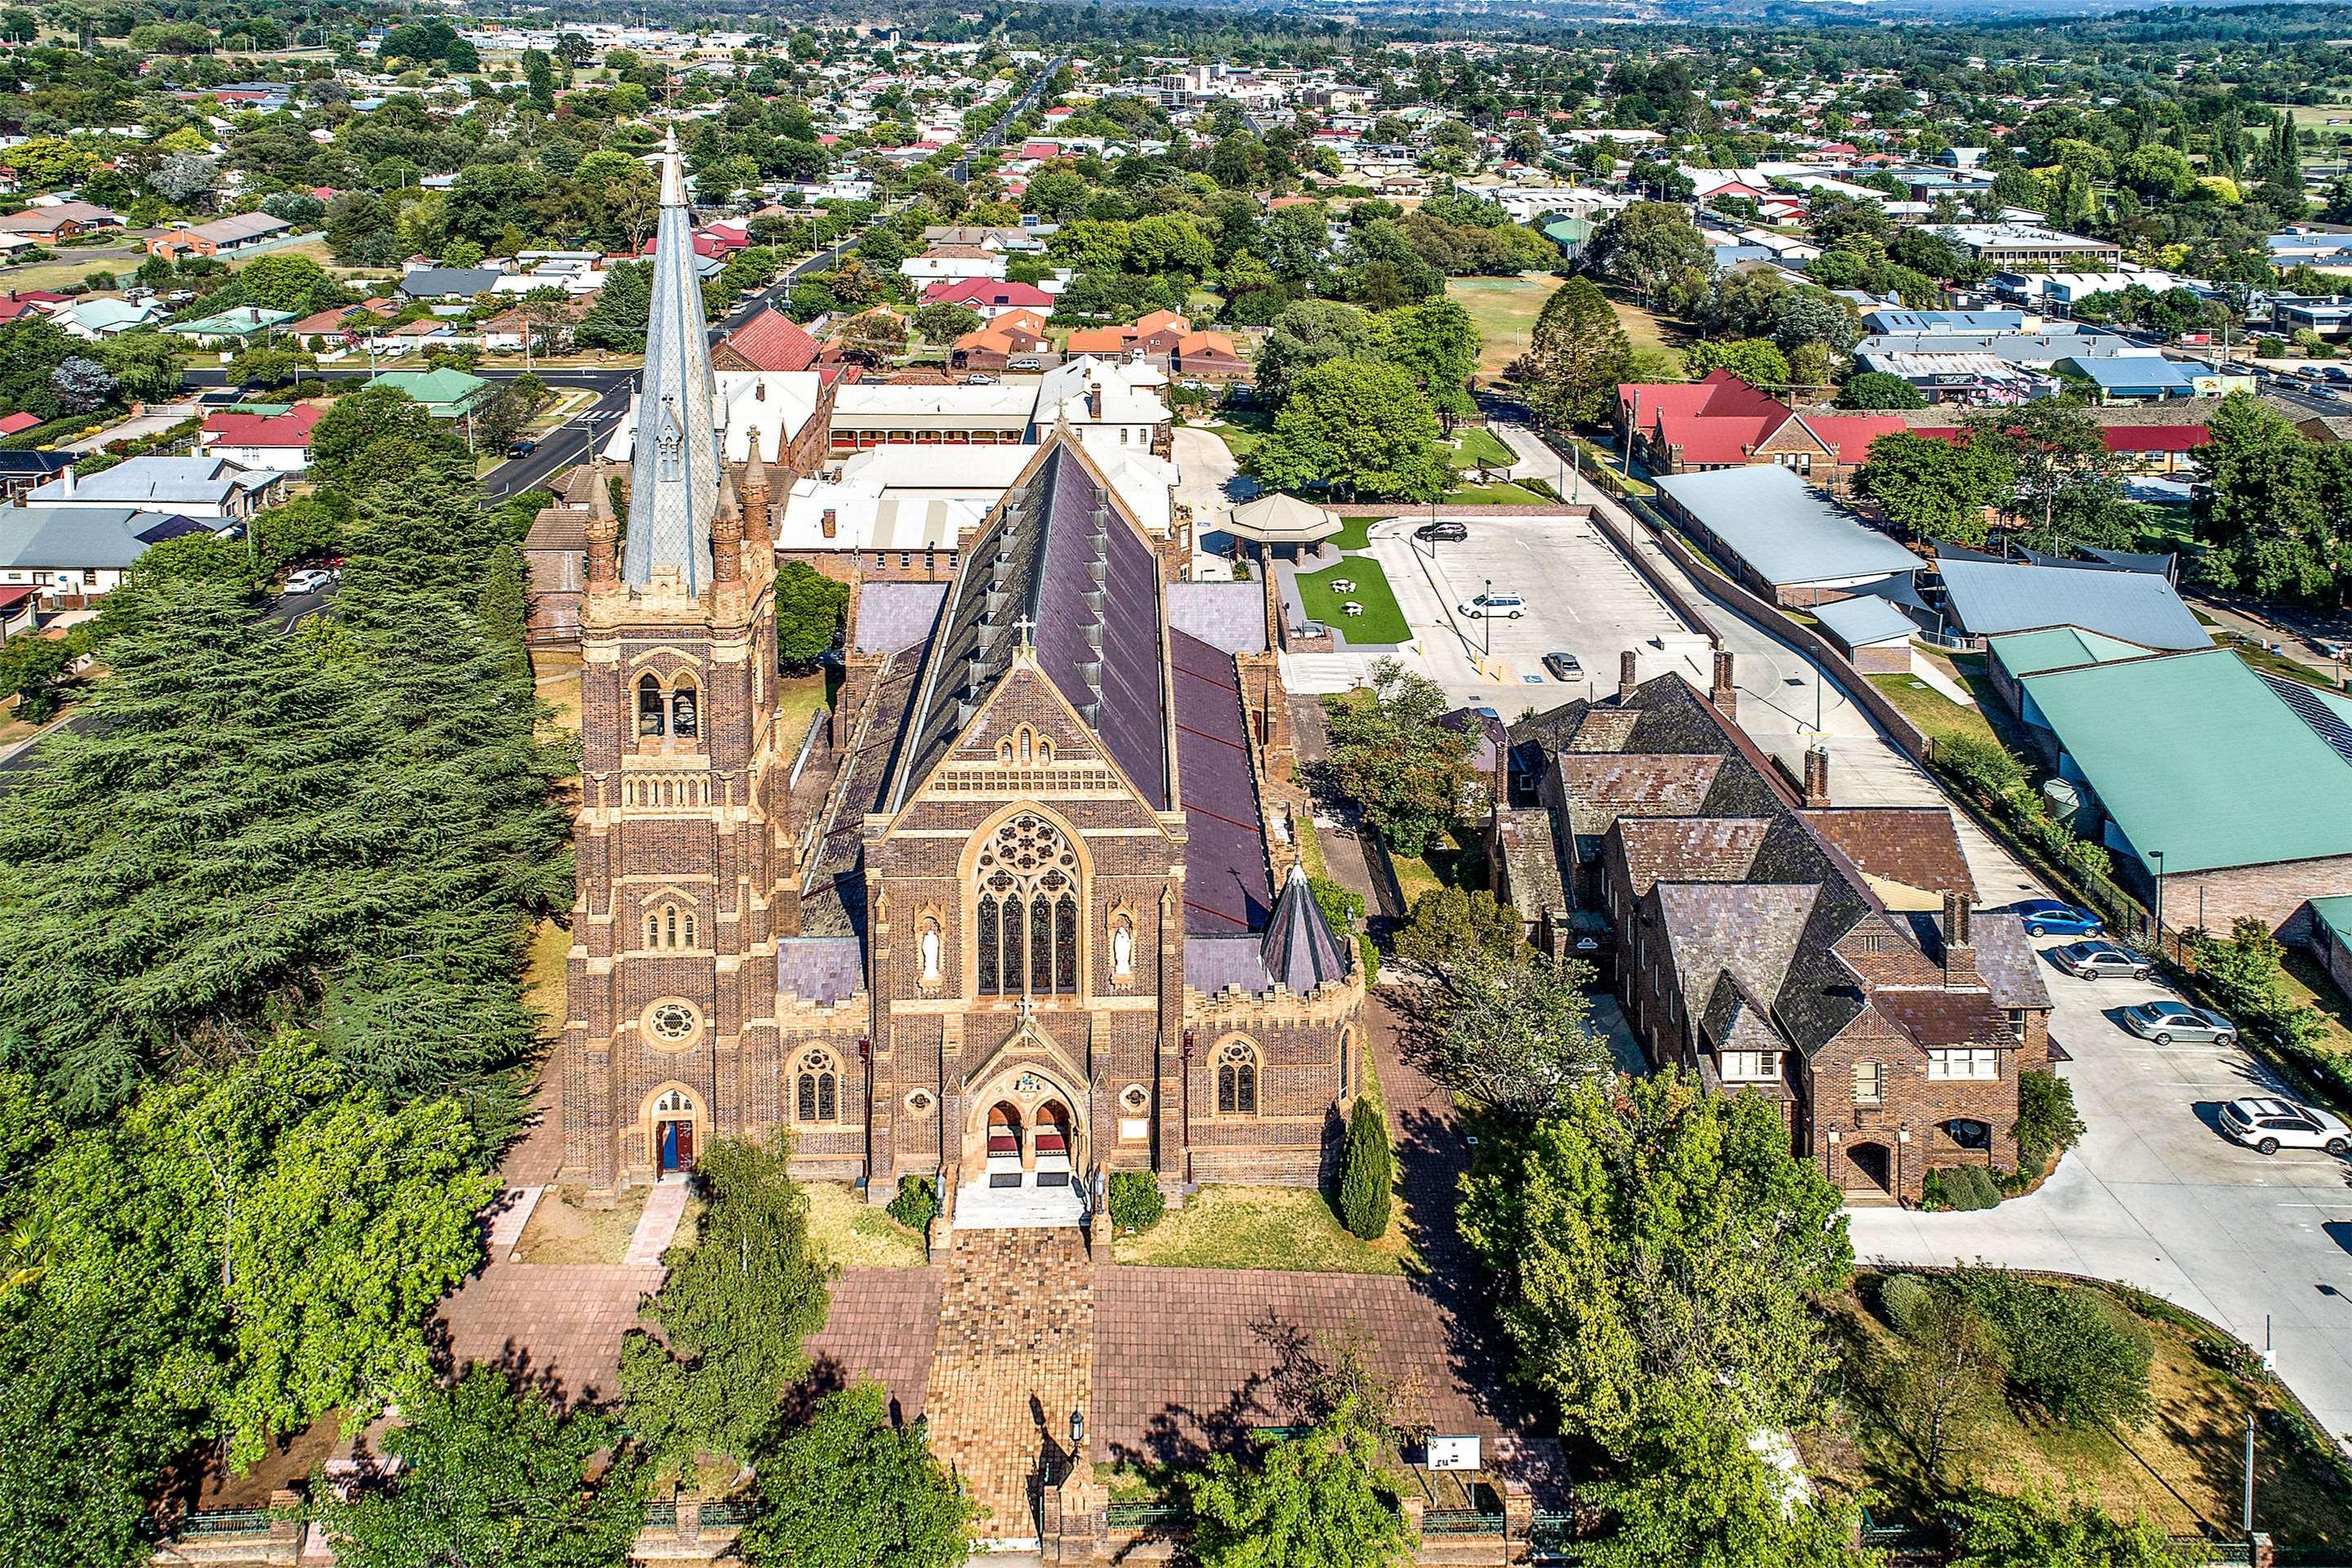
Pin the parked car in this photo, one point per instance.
(522, 449)
(1504, 607)
(2337, 372)
(2165, 1022)
(309, 580)
(1443, 532)
(2100, 960)
(2044, 916)
(2270, 1124)
(1563, 667)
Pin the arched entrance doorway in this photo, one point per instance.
(1007, 1155)
(1024, 1152)
(1873, 1162)
(1052, 1166)
(673, 1133)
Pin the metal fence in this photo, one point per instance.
(1460, 1521)
(1148, 1515)
(224, 1522)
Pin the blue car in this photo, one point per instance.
(2046, 917)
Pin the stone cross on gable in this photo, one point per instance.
(1025, 1009)
(1025, 625)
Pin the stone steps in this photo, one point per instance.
(1013, 1355)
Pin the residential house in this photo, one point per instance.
(1118, 398)
(21, 471)
(1827, 958)
(234, 328)
(1785, 541)
(71, 554)
(59, 220)
(989, 298)
(449, 285)
(207, 486)
(278, 441)
(1723, 422)
(446, 393)
(1016, 341)
(222, 237)
(769, 341)
(954, 262)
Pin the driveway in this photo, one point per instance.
(2156, 1197)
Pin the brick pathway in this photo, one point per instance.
(657, 1226)
(1015, 1354)
(881, 1327)
(558, 1325)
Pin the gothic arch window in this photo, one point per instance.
(1237, 1078)
(685, 709)
(651, 708)
(669, 927)
(1026, 910)
(816, 1088)
(653, 930)
(673, 1103)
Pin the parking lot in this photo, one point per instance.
(2157, 1196)
(1582, 598)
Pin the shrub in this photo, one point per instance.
(1960, 1187)
(2046, 1123)
(916, 1205)
(1367, 1172)
(1986, 766)
(1370, 953)
(1906, 1299)
(1136, 1202)
(2068, 1348)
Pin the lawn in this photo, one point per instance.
(1474, 447)
(546, 957)
(798, 696)
(856, 1234)
(1356, 532)
(1937, 716)
(1290, 1228)
(1504, 309)
(2183, 1469)
(1382, 623)
(1491, 495)
(1644, 328)
(1242, 429)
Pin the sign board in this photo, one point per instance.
(1453, 1453)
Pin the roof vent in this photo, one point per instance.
(1091, 712)
(1094, 598)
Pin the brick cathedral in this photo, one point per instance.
(1022, 909)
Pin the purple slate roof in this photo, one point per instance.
(892, 616)
(1300, 951)
(820, 969)
(1059, 553)
(1226, 888)
(1214, 963)
(1229, 616)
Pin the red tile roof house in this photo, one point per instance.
(278, 441)
(1723, 422)
(769, 340)
(16, 423)
(989, 297)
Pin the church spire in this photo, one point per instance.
(674, 478)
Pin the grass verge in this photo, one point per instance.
(856, 1234)
(2182, 1468)
(1382, 621)
(1937, 716)
(1290, 1228)
(1504, 309)
(1475, 448)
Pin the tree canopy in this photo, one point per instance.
(852, 1490)
(1356, 428)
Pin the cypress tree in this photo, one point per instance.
(1368, 1170)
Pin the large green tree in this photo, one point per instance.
(851, 1491)
(1313, 1501)
(732, 1313)
(1692, 1493)
(1511, 1029)
(1355, 428)
(2276, 509)
(2038, 1530)
(1577, 356)
(1653, 249)
(1409, 775)
(494, 1473)
(1931, 489)
(1437, 344)
(1653, 1240)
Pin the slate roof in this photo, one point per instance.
(1913, 845)
(1227, 886)
(1301, 953)
(1747, 929)
(1036, 560)
(2007, 960)
(1689, 848)
(1601, 785)
(1229, 616)
(894, 615)
(1989, 597)
(820, 969)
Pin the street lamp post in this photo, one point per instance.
(2157, 856)
(1486, 618)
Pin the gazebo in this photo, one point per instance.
(1281, 523)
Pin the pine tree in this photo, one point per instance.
(1577, 355)
(501, 605)
(1368, 1171)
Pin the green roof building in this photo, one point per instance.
(447, 394)
(2232, 788)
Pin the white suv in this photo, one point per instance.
(2271, 1125)
(1505, 606)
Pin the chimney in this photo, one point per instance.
(1960, 950)
(1094, 402)
(1816, 777)
(1722, 697)
(66, 480)
(831, 524)
(1627, 680)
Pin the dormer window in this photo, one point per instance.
(672, 443)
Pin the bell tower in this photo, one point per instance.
(669, 1038)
